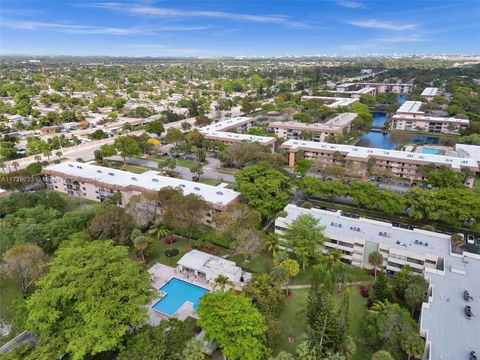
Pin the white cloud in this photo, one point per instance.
(92, 30)
(378, 24)
(350, 4)
(171, 13)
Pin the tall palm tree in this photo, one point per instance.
(59, 154)
(375, 259)
(15, 165)
(221, 281)
(2, 166)
(140, 242)
(272, 241)
(37, 158)
(47, 153)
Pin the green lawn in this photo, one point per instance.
(358, 313)
(156, 252)
(209, 181)
(188, 163)
(293, 322)
(9, 290)
(476, 184)
(228, 171)
(260, 264)
(128, 167)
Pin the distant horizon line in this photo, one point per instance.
(26, 55)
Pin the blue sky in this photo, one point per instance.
(235, 28)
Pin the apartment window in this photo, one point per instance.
(415, 261)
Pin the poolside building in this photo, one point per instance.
(340, 124)
(97, 183)
(410, 117)
(401, 164)
(207, 267)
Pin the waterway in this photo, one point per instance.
(377, 138)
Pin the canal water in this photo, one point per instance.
(376, 138)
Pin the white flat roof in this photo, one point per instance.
(365, 153)
(222, 135)
(430, 91)
(227, 124)
(211, 265)
(410, 107)
(432, 118)
(398, 238)
(149, 180)
(334, 101)
(473, 151)
(338, 122)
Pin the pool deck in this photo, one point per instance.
(161, 274)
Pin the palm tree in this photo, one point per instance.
(379, 306)
(193, 350)
(159, 230)
(221, 281)
(140, 242)
(413, 345)
(2, 166)
(59, 154)
(334, 257)
(37, 158)
(47, 153)
(272, 241)
(15, 165)
(375, 259)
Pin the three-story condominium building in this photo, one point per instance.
(402, 164)
(410, 117)
(219, 131)
(357, 237)
(340, 124)
(96, 183)
(450, 329)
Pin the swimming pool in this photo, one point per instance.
(431, 151)
(177, 292)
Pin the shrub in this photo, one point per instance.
(307, 205)
(364, 292)
(169, 240)
(171, 253)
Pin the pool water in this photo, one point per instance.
(431, 151)
(177, 292)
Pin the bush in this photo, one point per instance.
(364, 292)
(169, 240)
(171, 253)
(307, 205)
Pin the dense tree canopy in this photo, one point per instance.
(90, 298)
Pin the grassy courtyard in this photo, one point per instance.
(293, 323)
(156, 252)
